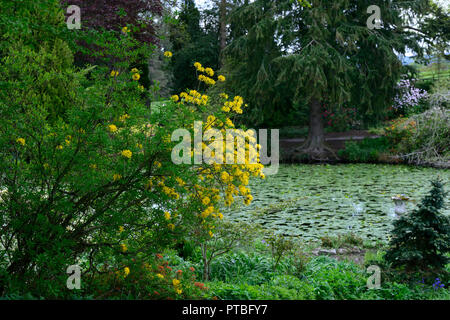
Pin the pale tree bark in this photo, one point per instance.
(223, 29)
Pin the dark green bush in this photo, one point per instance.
(242, 267)
(333, 280)
(367, 150)
(281, 288)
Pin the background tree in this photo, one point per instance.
(191, 43)
(249, 57)
(328, 56)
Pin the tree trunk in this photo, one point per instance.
(315, 147)
(223, 29)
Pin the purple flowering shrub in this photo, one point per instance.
(408, 96)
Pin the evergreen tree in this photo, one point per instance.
(421, 239)
(328, 55)
(191, 44)
(249, 59)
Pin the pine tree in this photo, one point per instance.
(421, 239)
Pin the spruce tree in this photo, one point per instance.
(421, 239)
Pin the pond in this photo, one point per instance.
(310, 201)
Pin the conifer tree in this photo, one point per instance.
(328, 55)
(421, 239)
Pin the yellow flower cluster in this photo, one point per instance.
(199, 67)
(207, 212)
(194, 97)
(209, 74)
(136, 76)
(123, 247)
(125, 30)
(112, 128)
(177, 286)
(114, 73)
(207, 80)
(127, 154)
(171, 192)
(21, 141)
(217, 183)
(237, 179)
(235, 105)
(168, 54)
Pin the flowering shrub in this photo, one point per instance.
(408, 96)
(151, 278)
(400, 130)
(87, 176)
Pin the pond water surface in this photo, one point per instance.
(310, 201)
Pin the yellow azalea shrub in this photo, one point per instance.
(97, 181)
(149, 279)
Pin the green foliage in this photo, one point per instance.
(340, 241)
(85, 161)
(324, 278)
(374, 258)
(227, 236)
(280, 288)
(251, 268)
(203, 49)
(367, 150)
(332, 59)
(279, 246)
(191, 44)
(421, 239)
(422, 138)
(335, 280)
(293, 132)
(155, 278)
